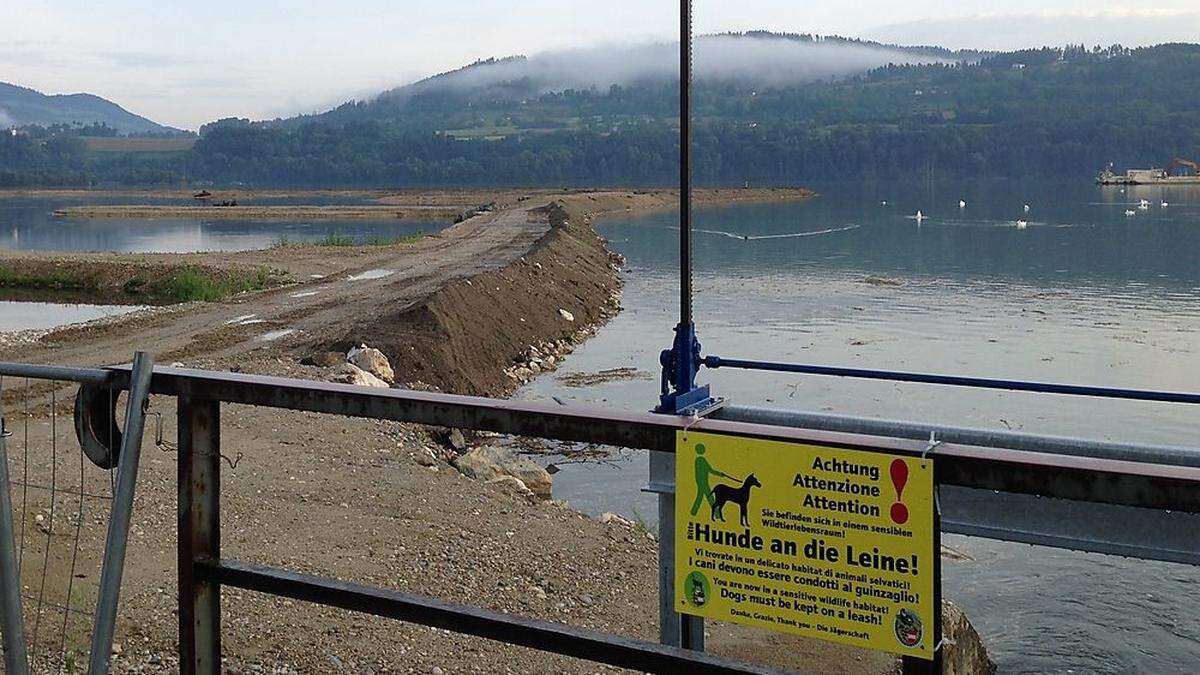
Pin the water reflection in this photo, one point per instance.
(16, 316)
(29, 224)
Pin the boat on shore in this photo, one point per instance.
(1174, 174)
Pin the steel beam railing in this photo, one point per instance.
(1143, 477)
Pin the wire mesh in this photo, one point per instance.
(61, 504)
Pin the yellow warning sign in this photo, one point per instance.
(824, 542)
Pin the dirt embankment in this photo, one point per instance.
(461, 337)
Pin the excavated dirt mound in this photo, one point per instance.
(461, 338)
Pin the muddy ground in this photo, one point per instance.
(359, 499)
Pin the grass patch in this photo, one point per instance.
(95, 283)
(193, 283)
(335, 239)
(338, 240)
(190, 284)
(55, 280)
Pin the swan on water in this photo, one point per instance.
(1022, 224)
(1130, 212)
(1026, 208)
(1163, 205)
(962, 204)
(1145, 203)
(883, 203)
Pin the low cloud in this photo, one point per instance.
(759, 60)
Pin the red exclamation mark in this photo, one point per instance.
(899, 471)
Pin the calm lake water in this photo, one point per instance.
(29, 224)
(1081, 293)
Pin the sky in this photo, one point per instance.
(187, 64)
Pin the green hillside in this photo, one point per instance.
(1050, 112)
(21, 107)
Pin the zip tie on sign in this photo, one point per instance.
(691, 422)
(933, 443)
(937, 488)
(944, 642)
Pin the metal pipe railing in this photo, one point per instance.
(957, 381)
(992, 438)
(95, 376)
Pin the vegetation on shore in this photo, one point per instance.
(192, 283)
(187, 283)
(339, 240)
(54, 280)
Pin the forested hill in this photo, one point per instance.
(835, 111)
(21, 106)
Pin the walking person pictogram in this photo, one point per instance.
(703, 471)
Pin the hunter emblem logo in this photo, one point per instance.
(908, 628)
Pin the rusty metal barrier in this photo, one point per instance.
(1162, 483)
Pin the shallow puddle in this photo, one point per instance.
(371, 274)
(275, 335)
(18, 316)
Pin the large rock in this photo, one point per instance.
(964, 653)
(490, 462)
(373, 361)
(348, 373)
(512, 485)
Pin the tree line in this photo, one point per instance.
(1049, 112)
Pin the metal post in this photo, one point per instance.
(674, 629)
(679, 394)
(199, 465)
(910, 665)
(11, 620)
(685, 162)
(122, 513)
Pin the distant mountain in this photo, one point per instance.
(21, 106)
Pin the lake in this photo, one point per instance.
(29, 224)
(1094, 287)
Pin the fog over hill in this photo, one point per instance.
(756, 58)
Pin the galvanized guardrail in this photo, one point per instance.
(1156, 479)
